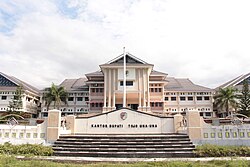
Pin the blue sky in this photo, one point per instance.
(49, 40)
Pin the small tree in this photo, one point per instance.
(226, 99)
(244, 104)
(16, 104)
(55, 95)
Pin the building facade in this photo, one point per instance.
(30, 99)
(147, 90)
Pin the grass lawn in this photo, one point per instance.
(8, 161)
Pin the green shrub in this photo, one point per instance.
(208, 150)
(25, 149)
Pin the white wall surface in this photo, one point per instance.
(106, 121)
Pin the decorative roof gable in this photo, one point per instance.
(4, 81)
(129, 59)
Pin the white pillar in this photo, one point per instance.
(144, 88)
(148, 89)
(113, 88)
(139, 86)
(109, 91)
(105, 88)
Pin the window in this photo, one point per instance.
(70, 98)
(79, 98)
(206, 98)
(151, 89)
(182, 98)
(4, 98)
(190, 98)
(86, 98)
(166, 98)
(199, 98)
(173, 98)
(208, 114)
(128, 83)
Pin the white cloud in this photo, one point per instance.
(206, 41)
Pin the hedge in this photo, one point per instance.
(26, 149)
(209, 150)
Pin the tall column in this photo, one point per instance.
(144, 88)
(109, 91)
(113, 72)
(105, 88)
(139, 86)
(148, 89)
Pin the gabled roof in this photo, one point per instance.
(17, 82)
(97, 73)
(74, 84)
(184, 84)
(157, 73)
(129, 59)
(235, 82)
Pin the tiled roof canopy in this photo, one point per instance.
(10, 81)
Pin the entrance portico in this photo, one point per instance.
(137, 84)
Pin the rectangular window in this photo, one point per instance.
(151, 89)
(173, 98)
(206, 98)
(190, 98)
(86, 98)
(79, 98)
(160, 104)
(128, 83)
(166, 98)
(159, 89)
(182, 98)
(208, 114)
(70, 98)
(199, 98)
(4, 98)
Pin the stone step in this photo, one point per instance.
(126, 146)
(122, 140)
(148, 154)
(121, 150)
(123, 143)
(125, 136)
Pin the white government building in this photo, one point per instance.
(146, 90)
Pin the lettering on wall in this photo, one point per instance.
(124, 126)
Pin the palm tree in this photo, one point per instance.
(55, 95)
(225, 99)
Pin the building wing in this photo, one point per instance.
(10, 81)
(184, 85)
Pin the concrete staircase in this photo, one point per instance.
(124, 146)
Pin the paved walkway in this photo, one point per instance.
(97, 159)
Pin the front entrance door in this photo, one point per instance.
(134, 106)
(118, 106)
